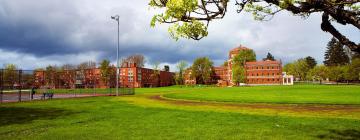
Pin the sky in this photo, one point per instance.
(39, 33)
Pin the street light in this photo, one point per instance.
(116, 17)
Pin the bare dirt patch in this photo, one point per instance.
(323, 108)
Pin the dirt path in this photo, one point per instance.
(312, 110)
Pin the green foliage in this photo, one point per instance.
(238, 70)
(202, 70)
(10, 74)
(105, 70)
(335, 54)
(51, 75)
(246, 55)
(258, 11)
(336, 73)
(181, 66)
(238, 76)
(318, 73)
(193, 29)
(354, 69)
(311, 62)
(225, 64)
(299, 69)
(175, 10)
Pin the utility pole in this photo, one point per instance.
(116, 17)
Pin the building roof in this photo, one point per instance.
(240, 47)
(220, 68)
(263, 62)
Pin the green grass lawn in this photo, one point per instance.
(140, 117)
(299, 94)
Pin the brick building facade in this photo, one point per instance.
(257, 73)
(130, 76)
(263, 73)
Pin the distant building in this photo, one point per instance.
(144, 77)
(130, 76)
(263, 73)
(257, 73)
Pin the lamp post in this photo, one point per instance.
(116, 17)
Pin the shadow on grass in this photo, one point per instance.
(348, 134)
(21, 115)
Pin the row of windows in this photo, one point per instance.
(264, 67)
(263, 80)
(263, 74)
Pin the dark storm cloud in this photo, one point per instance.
(33, 39)
(67, 31)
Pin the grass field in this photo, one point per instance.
(180, 113)
(299, 94)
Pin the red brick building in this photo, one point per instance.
(257, 73)
(264, 72)
(130, 76)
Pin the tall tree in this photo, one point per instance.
(156, 73)
(225, 64)
(299, 69)
(355, 69)
(139, 59)
(336, 73)
(311, 62)
(238, 74)
(51, 75)
(181, 66)
(87, 65)
(202, 70)
(335, 54)
(191, 18)
(105, 70)
(269, 56)
(68, 67)
(319, 73)
(238, 70)
(246, 55)
(11, 75)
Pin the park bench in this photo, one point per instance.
(49, 95)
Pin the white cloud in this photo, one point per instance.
(84, 30)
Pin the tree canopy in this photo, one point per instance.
(335, 54)
(311, 61)
(269, 56)
(191, 18)
(246, 55)
(181, 66)
(138, 59)
(238, 70)
(202, 70)
(299, 68)
(105, 70)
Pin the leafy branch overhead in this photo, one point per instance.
(190, 18)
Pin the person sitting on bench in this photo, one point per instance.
(47, 93)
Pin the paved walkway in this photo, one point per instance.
(6, 98)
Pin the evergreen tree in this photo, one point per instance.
(335, 54)
(269, 57)
(311, 62)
